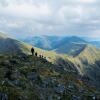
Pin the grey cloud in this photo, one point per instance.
(66, 17)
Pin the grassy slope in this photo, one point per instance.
(11, 45)
(72, 49)
(50, 55)
(19, 85)
(89, 54)
(87, 57)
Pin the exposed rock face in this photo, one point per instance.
(66, 65)
(60, 89)
(3, 96)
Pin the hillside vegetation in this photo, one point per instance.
(54, 76)
(26, 77)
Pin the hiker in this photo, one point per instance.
(35, 53)
(42, 53)
(32, 51)
(40, 56)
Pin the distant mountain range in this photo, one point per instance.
(96, 43)
(63, 45)
(52, 42)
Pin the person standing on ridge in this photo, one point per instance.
(36, 54)
(32, 51)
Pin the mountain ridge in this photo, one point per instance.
(86, 61)
(63, 45)
(11, 45)
(53, 73)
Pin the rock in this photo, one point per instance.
(13, 62)
(16, 74)
(3, 96)
(4, 63)
(23, 57)
(74, 97)
(93, 97)
(50, 97)
(60, 89)
(82, 90)
(32, 76)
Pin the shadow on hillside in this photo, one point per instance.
(93, 73)
(78, 51)
(67, 65)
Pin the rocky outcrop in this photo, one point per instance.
(3, 96)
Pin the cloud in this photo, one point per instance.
(56, 17)
(25, 10)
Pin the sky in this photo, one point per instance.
(50, 17)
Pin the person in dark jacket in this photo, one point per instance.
(35, 53)
(32, 51)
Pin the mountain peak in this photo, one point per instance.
(90, 54)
